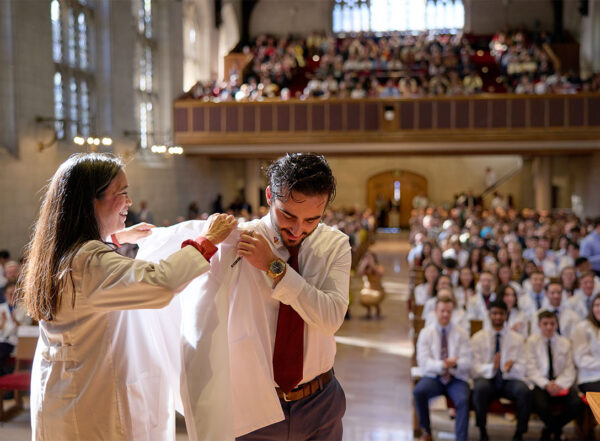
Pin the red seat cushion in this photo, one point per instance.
(16, 381)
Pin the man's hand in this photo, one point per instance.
(217, 227)
(517, 326)
(497, 357)
(450, 362)
(134, 233)
(256, 250)
(508, 365)
(552, 388)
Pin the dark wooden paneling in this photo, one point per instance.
(232, 119)
(518, 114)
(556, 117)
(499, 119)
(594, 112)
(249, 118)
(266, 118)
(576, 112)
(283, 117)
(425, 115)
(214, 119)
(335, 117)
(318, 117)
(407, 115)
(480, 115)
(300, 117)
(462, 115)
(371, 116)
(197, 119)
(181, 120)
(537, 111)
(353, 116)
(444, 119)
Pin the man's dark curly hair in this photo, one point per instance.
(306, 173)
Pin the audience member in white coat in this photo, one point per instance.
(568, 278)
(499, 370)
(459, 317)
(567, 318)
(466, 287)
(517, 320)
(477, 307)
(442, 282)
(424, 290)
(533, 299)
(444, 357)
(78, 287)
(586, 350)
(551, 373)
(504, 277)
(582, 300)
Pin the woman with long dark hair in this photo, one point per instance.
(586, 349)
(77, 287)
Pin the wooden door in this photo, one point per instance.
(397, 188)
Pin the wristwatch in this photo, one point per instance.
(276, 268)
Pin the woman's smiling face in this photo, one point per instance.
(111, 208)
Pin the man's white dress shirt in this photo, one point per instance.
(512, 347)
(537, 361)
(429, 351)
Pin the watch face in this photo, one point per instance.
(277, 267)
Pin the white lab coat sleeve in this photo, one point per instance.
(429, 364)
(114, 282)
(480, 348)
(323, 307)
(567, 377)
(534, 374)
(464, 363)
(517, 355)
(582, 349)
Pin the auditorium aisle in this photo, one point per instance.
(373, 358)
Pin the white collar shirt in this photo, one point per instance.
(567, 320)
(429, 351)
(537, 361)
(512, 347)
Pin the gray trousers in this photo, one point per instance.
(314, 418)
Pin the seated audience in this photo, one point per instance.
(551, 372)
(466, 287)
(533, 299)
(477, 307)
(516, 320)
(582, 300)
(424, 290)
(499, 370)
(444, 357)
(567, 318)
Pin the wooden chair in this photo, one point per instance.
(20, 379)
(418, 310)
(418, 325)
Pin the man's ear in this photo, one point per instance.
(268, 194)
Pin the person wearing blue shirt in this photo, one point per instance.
(590, 247)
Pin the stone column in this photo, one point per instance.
(591, 202)
(542, 180)
(252, 188)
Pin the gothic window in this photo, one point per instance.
(73, 76)
(397, 15)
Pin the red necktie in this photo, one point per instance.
(288, 354)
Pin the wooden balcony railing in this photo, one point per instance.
(444, 119)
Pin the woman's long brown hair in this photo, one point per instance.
(66, 221)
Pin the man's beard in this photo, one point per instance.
(279, 236)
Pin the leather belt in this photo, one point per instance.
(306, 389)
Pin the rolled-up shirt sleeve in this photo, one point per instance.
(323, 307)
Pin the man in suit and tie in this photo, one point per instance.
(499, 370)
(551, 373)
(444, 358)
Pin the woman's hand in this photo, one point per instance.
(134, 233)
(218, 227)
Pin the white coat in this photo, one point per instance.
(83, 384)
